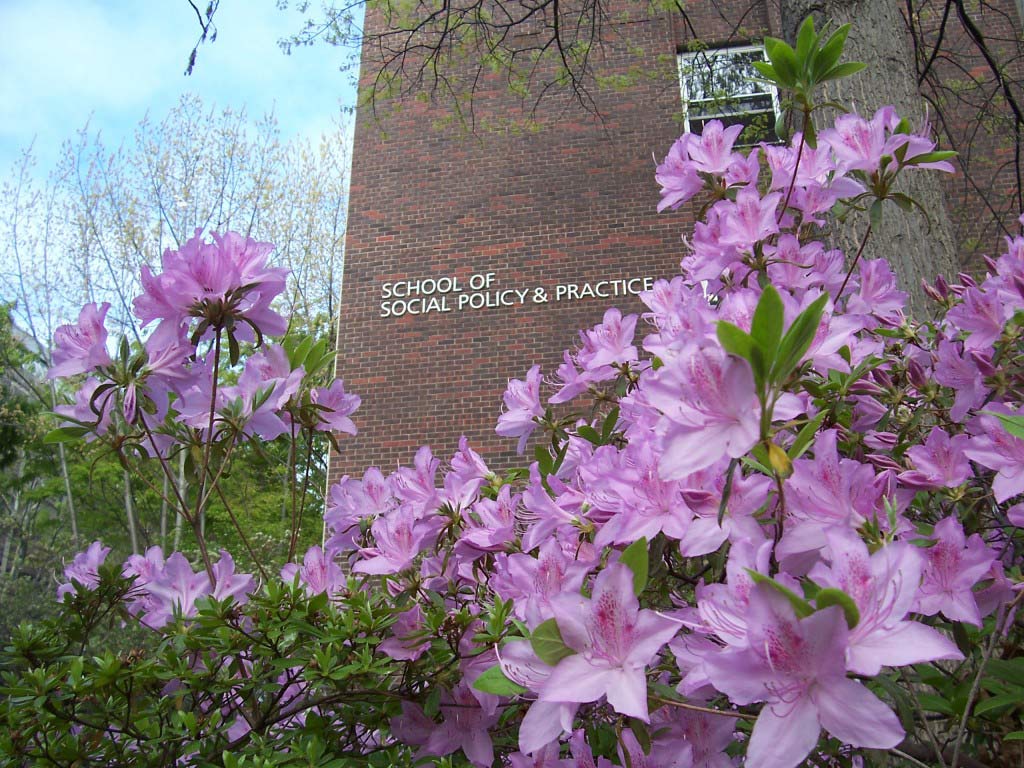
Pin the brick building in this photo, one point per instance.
(471, 256)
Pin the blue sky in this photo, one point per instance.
(65, 62)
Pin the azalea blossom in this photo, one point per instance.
(709, 409)
(798, 668)
(84, 569)
(883, 586)
(614, 641)
(82, 347)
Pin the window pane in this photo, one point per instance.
(718, 74)
(722, 84)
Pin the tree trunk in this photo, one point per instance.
(164, 504)
(129, 508)
(918, 249)
(62, 458)
(182, 493)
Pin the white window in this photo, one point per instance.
(721, 84)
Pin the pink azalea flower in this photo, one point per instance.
(545, 515)
(676, 755)
(533, 582)
(398, 537)
(941, 462)
(677, 175)
(227, 583)
(998, 450)
(722, 607)
(545, 757)
(522, 407)
(703, 493)
(614, 642)
(883, 586)
(417, 485)
(226, 283)
(490, 524)
(954, 565)
(466, 726)
(711, 152)
(750, 219)
(176, 588)
(82, 347)
(408, 641)
(349, 501)
(705, 736)
(823, 492)
(710, 410)
(336, 407)
(582, 756)
(468, 469)
(90, 409)
(609, 342)
(878, 296)
(961, 373)
(544, 721)
(318, 573)
(982, 315)
(798, 668)
(83, 569)
(859, 144)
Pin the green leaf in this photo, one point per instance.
(64, 434)
(783, 59)
(735, 340)
(543, 458)
(828, 55)
(1007, 671)
(1001, 701)
(932, 157)
(830, 596)
(767, 71)
(727, 490)
(806, 39)
(766, 327)
(875, 214)
(781, 129)
(932, 703)
(801, 607)
(610, 421)
(636, 558)
(805, 436)
(1014, 736)
(493, 680)
(810, 133)
(842, 70)
(233, 351)
(798, 338)
(300, 352)
(590, 434)
(1014, 425)
(547, 643)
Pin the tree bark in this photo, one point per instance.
(919, 248)
(129, 508)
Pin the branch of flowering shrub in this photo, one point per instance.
(786, 503)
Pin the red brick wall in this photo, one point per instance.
(569, 202)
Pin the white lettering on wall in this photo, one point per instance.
(423, 296)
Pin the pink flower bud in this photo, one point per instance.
(916, 374)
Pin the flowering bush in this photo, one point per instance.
(786, 531)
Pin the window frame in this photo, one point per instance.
(684, 64)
